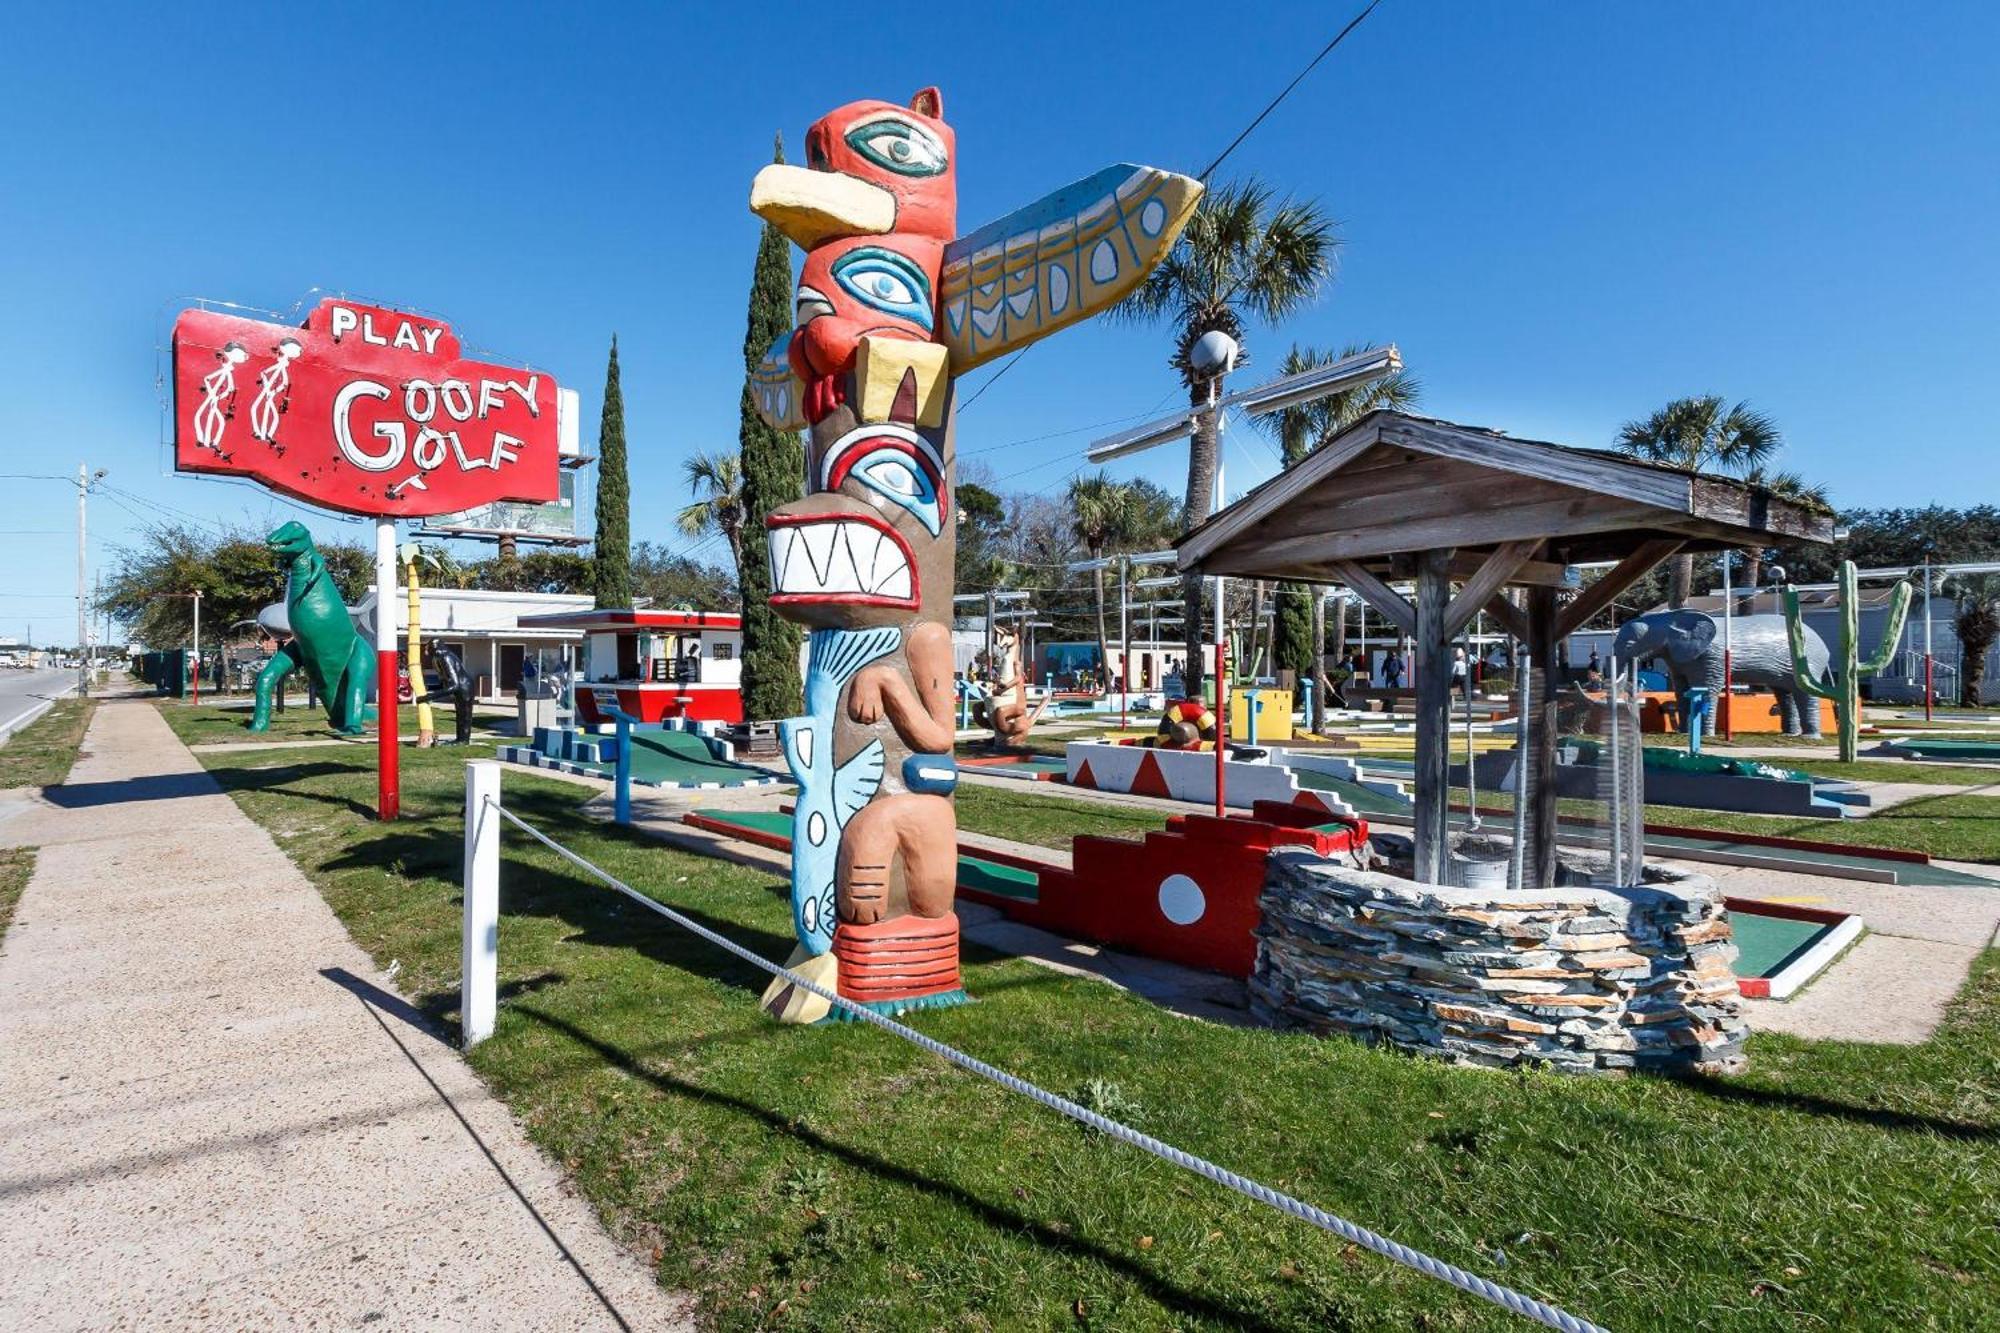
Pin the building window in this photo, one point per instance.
(724, 651)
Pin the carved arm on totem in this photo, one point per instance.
(922, 717)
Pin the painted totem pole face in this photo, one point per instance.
(872, 543)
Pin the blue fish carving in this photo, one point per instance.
(829, 796)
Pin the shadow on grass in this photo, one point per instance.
(1000, 1218)
(1808, 1104)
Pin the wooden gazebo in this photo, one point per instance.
(1398, 497)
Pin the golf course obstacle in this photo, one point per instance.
(894, 304)
(676, 755)
(1579, 980)
(1249, 776)
(324, 643)
(1844, 670)
(1673, 777)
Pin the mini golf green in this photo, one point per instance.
(1977, 752)
(1765, 944)
(677, 758)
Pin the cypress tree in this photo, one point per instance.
(611, 555)
(774, 463)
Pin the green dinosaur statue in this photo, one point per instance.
(338, 662)
(1844, 669)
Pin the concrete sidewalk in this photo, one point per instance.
(214, 1115)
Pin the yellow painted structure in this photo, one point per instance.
(1274, 717)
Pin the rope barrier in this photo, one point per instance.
(1505, 1297)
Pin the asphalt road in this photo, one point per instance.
(22, 693)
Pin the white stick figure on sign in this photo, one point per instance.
(218, 397)
(274, 392)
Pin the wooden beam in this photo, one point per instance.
(1387, 602)
(1501, 522)
(1539, 742)
(1276, 493)
(1509, 616)
(1494, 574)
(1432, 650)
(1616, 580)
(1581, 469)
(1467, 563)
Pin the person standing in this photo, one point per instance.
(1392, 669)
(453, 681)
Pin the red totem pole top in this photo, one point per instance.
(363, 410)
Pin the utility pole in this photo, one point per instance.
(82, 607)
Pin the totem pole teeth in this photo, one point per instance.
(839, 560)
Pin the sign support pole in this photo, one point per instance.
(388, 793)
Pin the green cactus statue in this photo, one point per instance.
(1844, 667)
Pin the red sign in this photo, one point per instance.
(364, 410)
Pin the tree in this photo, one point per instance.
(1302, 430)
(678, 582)
(718, 480)
(537, 571)
(237, 574)
(774, 464)
(1244, 254)
(611, 557)
(1976, 598)
(982, 527)
(1785, 486)
(1101, 511)
(1701, 434)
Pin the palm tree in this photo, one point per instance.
(1301, 431)
(718, 480)
(1977, 619)
(1102, 512)
(1244, 253)
(1786, 486)
(1697, 434)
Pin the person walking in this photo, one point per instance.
(1392, 669)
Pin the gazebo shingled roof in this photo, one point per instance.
(1400, 496)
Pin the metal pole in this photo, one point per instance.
(991, 670)
(82, 629)
(1517, 862)
(1728, 643)
(1471, 758)
(388, 791)
(1927, 639)
(1124, 643)
(1221, 724)
(197, 646)
(479, 943)
(1215, 503)
(1617, 776)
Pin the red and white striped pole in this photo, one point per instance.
(388, 788)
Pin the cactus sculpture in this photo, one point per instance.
(1844, 667)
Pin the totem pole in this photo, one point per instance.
(1844, 668)
(892, 304)
(1006, 708)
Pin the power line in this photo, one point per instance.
(1325, 51)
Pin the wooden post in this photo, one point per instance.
(1543, 646)
(478, 958)
(1430, 647)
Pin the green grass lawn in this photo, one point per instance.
(1047, 821)
(210, 723)
(17, 864)
(832, 1178)
(41, 753)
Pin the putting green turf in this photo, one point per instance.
(1764, 944)
(678, 757)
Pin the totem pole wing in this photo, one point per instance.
(1063, 258)
(776, 389)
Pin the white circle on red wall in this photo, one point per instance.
(1181, 900)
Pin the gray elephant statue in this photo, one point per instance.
(1690, 643)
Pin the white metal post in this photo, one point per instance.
(479, 951)
(197, 645)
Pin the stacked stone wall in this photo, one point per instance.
(1585, 980)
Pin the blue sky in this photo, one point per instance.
(1564, 214)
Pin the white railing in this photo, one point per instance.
(484, 814)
